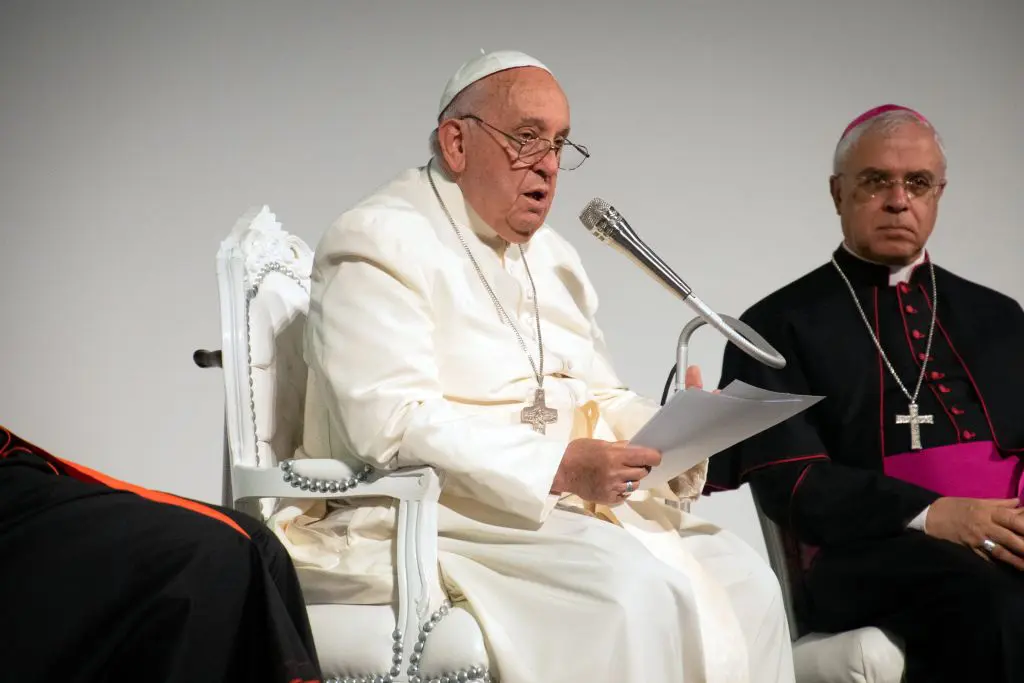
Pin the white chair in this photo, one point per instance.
(263, 275)
(864, 655)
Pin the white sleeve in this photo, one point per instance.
(918, 523)
(624, 410)
(370, 345)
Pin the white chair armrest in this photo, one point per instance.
(416, 488)
(413, 483)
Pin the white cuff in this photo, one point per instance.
(549, 505)
(918, 522)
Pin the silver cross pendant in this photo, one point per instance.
(915, 421)
(538, 415)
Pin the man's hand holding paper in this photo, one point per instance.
(603, 471)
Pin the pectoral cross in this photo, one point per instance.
(538, 415)
(915, 421)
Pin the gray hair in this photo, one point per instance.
(884, 123)
(464, 103)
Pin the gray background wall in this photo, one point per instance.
(133, 133)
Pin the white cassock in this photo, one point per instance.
(411, 364)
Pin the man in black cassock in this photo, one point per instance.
(901, 487)
(104, 581)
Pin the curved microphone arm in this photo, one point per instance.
(733, 324)
(749, 341)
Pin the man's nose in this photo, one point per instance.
(896, 199)
(547, 165)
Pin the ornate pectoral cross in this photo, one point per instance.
(538, 415)
(915, 421)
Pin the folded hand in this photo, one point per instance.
(972, 521)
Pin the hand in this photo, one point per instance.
(598, 470)
(693, 380)
(969, 521)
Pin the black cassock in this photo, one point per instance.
(104, 581)
(819, 475)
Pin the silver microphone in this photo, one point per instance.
(606, 224)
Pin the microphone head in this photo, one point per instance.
(603, 222)
(593, 211)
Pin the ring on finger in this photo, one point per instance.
(989, 546)
(630, 486)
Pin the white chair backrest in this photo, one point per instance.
(263, 275)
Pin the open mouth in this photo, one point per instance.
(536, 195)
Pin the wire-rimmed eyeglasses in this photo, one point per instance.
(916, 186)
(530, 149)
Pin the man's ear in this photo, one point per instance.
(835, 188)
(451, 140)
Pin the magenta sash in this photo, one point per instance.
(968, 470)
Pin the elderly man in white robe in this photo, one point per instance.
(450, 326)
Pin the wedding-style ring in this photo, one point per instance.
(989, 546)
(629, 487)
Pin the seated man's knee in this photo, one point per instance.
(756, 581)
(629, 582)
(260, 535)
(190, 532)
(999, 603)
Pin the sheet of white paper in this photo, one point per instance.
(694, 425)
(739, 389)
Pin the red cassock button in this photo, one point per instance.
(969, 434)
(935, 374)
(917, 334)
(956, 411)
(903, 287)
(910, 309)
(944, 389)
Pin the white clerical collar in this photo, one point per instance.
(462, 213)
(897, 274)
